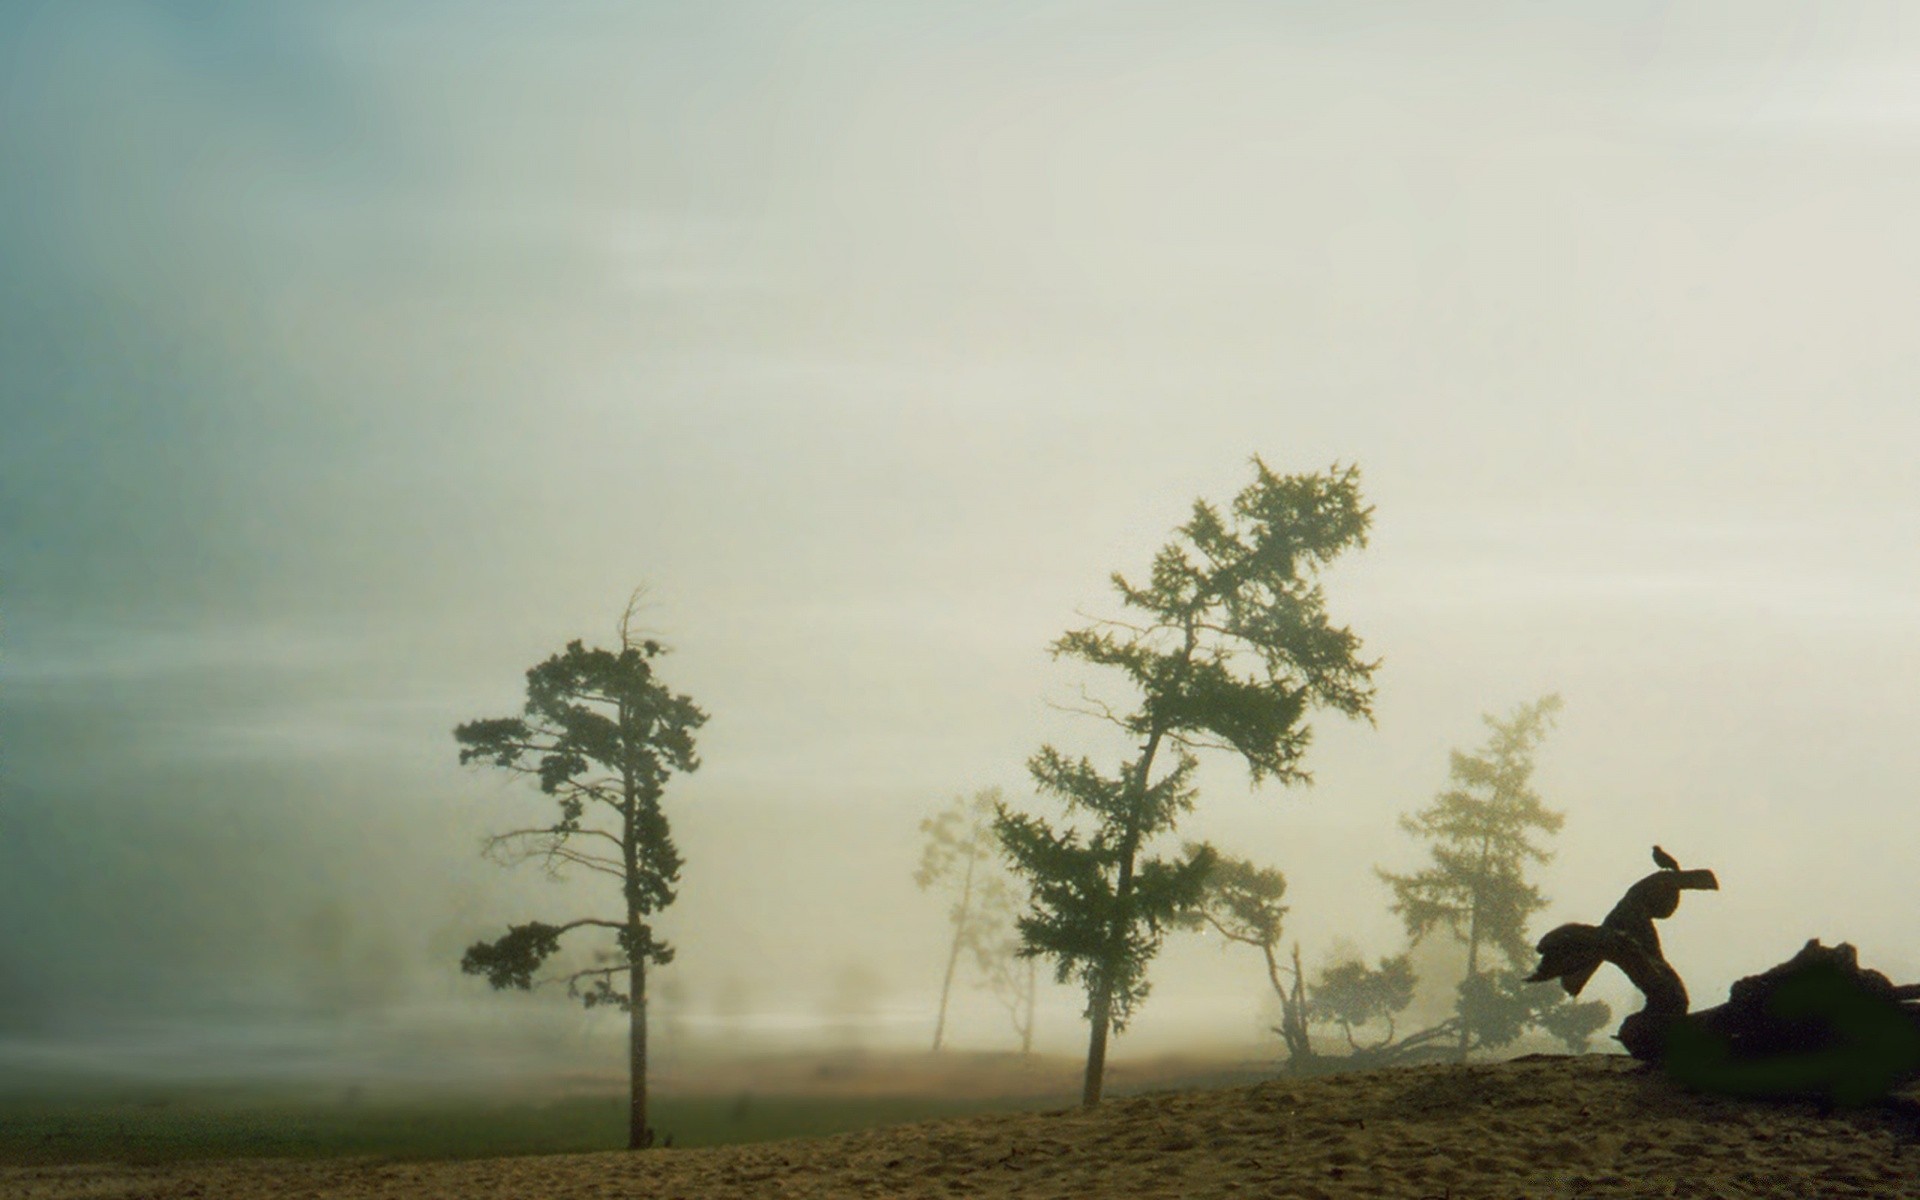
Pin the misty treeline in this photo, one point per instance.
(962, 859)
(1481, 835)
(1227, 647)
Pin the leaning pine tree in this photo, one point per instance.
(1482, 832)
(1230, 648)
(601, 734)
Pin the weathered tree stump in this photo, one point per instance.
(1817, 1026)
(1627, 939)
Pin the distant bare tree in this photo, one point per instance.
(1012, 977)
(961, 858)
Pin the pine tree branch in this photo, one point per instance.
(511, 848)
(555, 831)
(1097, 708)
(1230, 935)
(576, 976)
(589, 923)
(589, 831)
(590, 862)
(1194, 741)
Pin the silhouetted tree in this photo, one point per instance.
(1480, 830)
(601, 735)
(961, 857)
(1230, 649)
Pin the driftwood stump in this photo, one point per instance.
(1818, 1026)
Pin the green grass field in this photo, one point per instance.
(185, 1124)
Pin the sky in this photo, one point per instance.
(356, 357)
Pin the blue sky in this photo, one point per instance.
(358, 356)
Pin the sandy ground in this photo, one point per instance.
(1591, 1127)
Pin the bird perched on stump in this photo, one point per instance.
(1664, 861)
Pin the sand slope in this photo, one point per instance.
(1589, 1127)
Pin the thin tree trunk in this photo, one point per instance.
(1026, 1027)
(946, 988)
(638, 1135)
(1473, 962)
(953, 954)
(1293, 1018)
(1101, 1008)
(1097, 1046)
(1473, 944)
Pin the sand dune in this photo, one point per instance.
(1588, 1127)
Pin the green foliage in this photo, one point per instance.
(1228, 648)
(1242, 902)
(601, 735)
(1098, 932)
(958, 837)
(1573, 1022)
(1352, 994)
(511, 960)
(1499, 1006)
(1481, 833)
(1234, 643)
(1495, 1006)
(1479, 830)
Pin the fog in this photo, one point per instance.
(354, 358)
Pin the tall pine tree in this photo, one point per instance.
(1480, 832)
(1229, 647)
(601, 735)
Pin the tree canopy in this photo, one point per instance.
(601, 735)
(1228, 646)
(1481, 833)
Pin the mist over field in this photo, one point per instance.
(355, 358)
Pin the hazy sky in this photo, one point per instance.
(354, 357)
